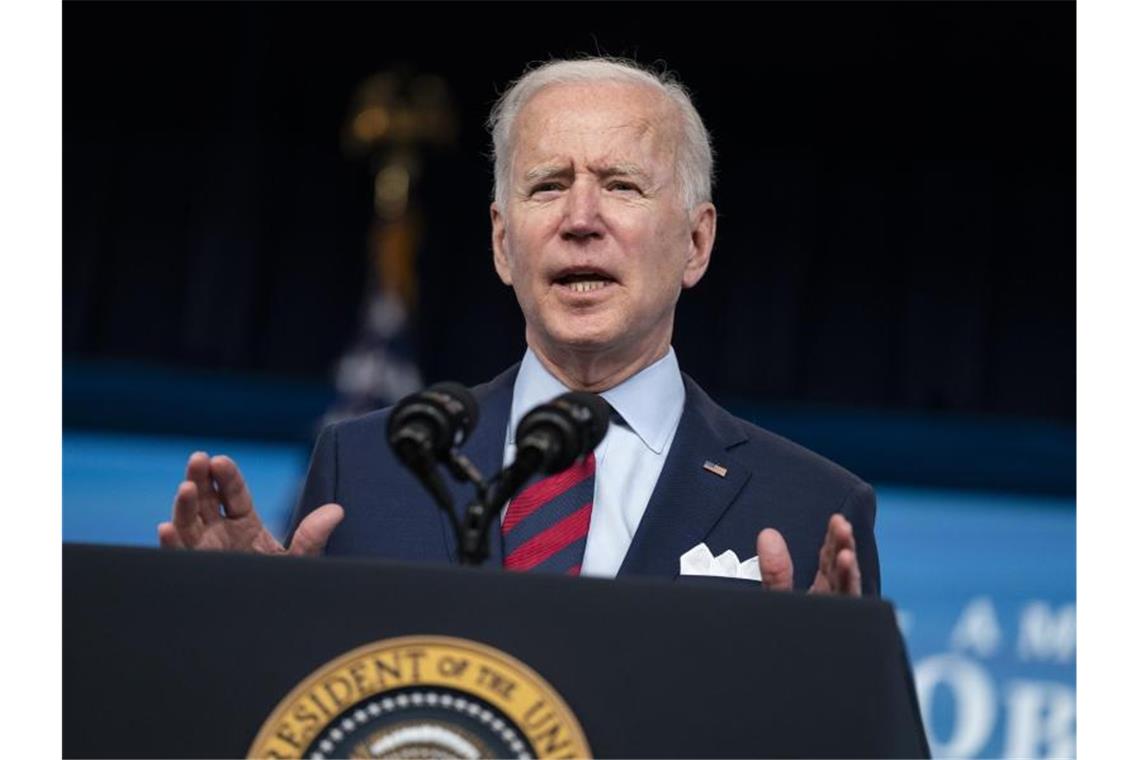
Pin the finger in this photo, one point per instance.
(198, 473)
(850, 579)
(168, 536)
(231, 487)
(842, 540)
(839, 536)
(776, 571)
(186, 521)
(828, 550)
(842, 532)
(314, 531)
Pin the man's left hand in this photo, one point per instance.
(838, 566)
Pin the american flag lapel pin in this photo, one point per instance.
(715, 469)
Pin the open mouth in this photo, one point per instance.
(583, 281)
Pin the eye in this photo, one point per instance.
(623, 186)
(546, 187)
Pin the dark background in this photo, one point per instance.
(896, 186)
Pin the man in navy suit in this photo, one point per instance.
(602, 215)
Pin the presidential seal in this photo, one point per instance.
(422, 697)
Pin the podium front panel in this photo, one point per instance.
(186, 654)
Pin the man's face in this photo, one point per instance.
(594, 237)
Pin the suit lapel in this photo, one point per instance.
(485, 450)
(688, 499)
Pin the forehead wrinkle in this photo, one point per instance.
(655, 108)
(656, 130)
(566, 127)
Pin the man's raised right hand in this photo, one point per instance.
(213, 509)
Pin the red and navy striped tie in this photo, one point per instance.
(546, 525)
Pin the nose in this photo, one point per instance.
(582, 219)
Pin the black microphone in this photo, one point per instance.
(424, 427)
(550, 438)
(555, 434)
(430, 423)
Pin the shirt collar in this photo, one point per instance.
(650, 402)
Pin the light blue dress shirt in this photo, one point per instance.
(629, 458)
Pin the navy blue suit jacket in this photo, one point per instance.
(770, 483)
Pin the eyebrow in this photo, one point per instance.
(546, 171)
(549, 171)
(620, 170)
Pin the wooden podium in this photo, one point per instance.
(183, 654)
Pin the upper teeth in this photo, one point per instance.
(584, 286)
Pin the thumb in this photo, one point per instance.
(775, 561)
(314, 531)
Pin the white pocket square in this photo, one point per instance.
(700, 561)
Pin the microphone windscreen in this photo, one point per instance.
(466, 401)
(598, 420)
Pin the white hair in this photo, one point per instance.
(694, 152)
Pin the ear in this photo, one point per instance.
(702, 233)
(499, 244)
